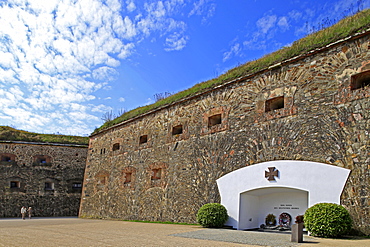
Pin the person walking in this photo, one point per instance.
(29, 212)
(23, 212)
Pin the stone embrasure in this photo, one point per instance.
(304, 110)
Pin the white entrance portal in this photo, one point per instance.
(277, 187)
(274, 200)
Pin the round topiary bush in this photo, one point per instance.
(327, 220)
(212, 215)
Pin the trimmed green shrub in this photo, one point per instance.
(327, 220)
(212, 215)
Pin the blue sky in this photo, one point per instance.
(65, 63)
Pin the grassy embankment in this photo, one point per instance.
(11, 134)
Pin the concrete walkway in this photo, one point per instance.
(85, 232)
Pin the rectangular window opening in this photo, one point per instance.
(274, 104)
(115, 146)
(214, 120)
(42, 160)
(143, 139)
(360, 81)
(177, 130)
(6, 158)
(76, 186)
(49, 186)
(14, 184)
(156, 174)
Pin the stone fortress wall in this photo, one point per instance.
(163, 165)
(46, 177)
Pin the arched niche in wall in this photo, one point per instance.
(128, 177)
(251, 193)
(101, 181)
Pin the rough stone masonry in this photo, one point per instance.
(163, 165)
(47, 177)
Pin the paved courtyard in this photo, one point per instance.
(85, 232)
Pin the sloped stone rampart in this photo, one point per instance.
(23, 180)
(322, 120)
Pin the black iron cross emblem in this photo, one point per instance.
(271, 174)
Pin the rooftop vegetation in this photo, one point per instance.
(11, 134)
(344, 28)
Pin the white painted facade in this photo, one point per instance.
(249, 196)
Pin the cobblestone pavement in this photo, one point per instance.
(85, 232)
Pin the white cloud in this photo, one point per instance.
(7, 60)
(51, 49)
(266, 23)
(130, 5)
(263, 36)
(100, 108)
(126, 50)
(7, 77)
(283, 23)
(234, 51)
(204, 8)
(121, 99)
(157, 18)
(175, 42)
(295, 15)
(105, 73)
(55, 54)
(156, 9)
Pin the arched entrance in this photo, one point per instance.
(256, 204)
(290, 186)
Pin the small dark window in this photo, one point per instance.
(49, 186)
(143, 139)
(214, 120)
(128, 177)
(177, 130)
(156, 174)
(6, 158)
(115, 146)
(14, 184)
(76, 186)
(360, 81)
(42, 159)
(274, 104)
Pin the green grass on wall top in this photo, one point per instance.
(344, 28)
(11, 134)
